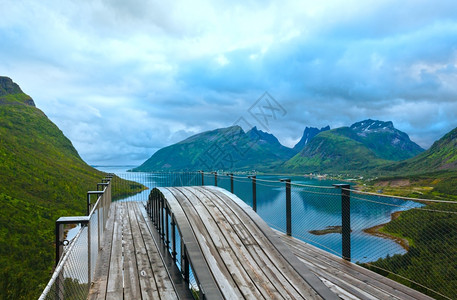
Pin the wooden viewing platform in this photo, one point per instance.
(235, 255)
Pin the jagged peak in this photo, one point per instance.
(308, 134)
(259, 134)
(372, 125)
(9, 87)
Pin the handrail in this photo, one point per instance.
(59, 268)
(99, 211)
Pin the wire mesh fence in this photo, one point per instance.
(70, 279)
(316, 216)
(78, 255)
(419, 242)
(412, 241)
(140, 184)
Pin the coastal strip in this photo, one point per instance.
(377, 231)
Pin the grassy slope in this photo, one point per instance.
(431, 260)
(442, 155)
(42, 178)
(333, 151)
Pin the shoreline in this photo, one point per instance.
(376, 231)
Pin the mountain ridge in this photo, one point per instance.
(441, 156)
(363, 145)
(222, 148)
(360, 147)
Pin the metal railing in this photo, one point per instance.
(412, 241)
(76, 257)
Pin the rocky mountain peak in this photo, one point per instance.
(308, 134)
(9, 87)
(372, 126)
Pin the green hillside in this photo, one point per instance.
(42, 177)
(431, 174)
(441, 156)
(226, 148)
(333, 151)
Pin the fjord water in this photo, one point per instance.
(316, 205)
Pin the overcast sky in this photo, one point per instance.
(124, 78)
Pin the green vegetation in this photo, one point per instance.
(225, 148)
(431, 259)
(42, 178)
(442, 155)
(333, 151)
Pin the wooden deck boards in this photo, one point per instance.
(242, 252)
(130, 265)
(235, 254)
(347, 279)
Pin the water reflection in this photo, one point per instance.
(314, 207)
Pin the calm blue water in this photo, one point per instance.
(313, 208)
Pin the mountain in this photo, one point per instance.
(360, 147)
(225, 148)
(308, 134)
(385, 140)
(42, 178)
(333, 151)
(269, 142)
(441, 156)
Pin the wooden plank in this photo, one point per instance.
(267, 233)
(98, 289)
(243, 258)
(264, 253)
(161, 278)
(131, 277)
(229, 250)
(209, 254)
(214, 285)
(294, 279)
(147, 282)
(114, 288)
(342, 279)
(333, 266)
(176, 280)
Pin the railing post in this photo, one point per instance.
(345, 219)
(167, 230)
(231, 183)
(203, 177)
(88, 198)
(288, 207)
(215, 178)
(59, 241)
(161, 220)
(254, 193)
(173, 238)
(184, 262)
(88, 203)
(157, 214)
